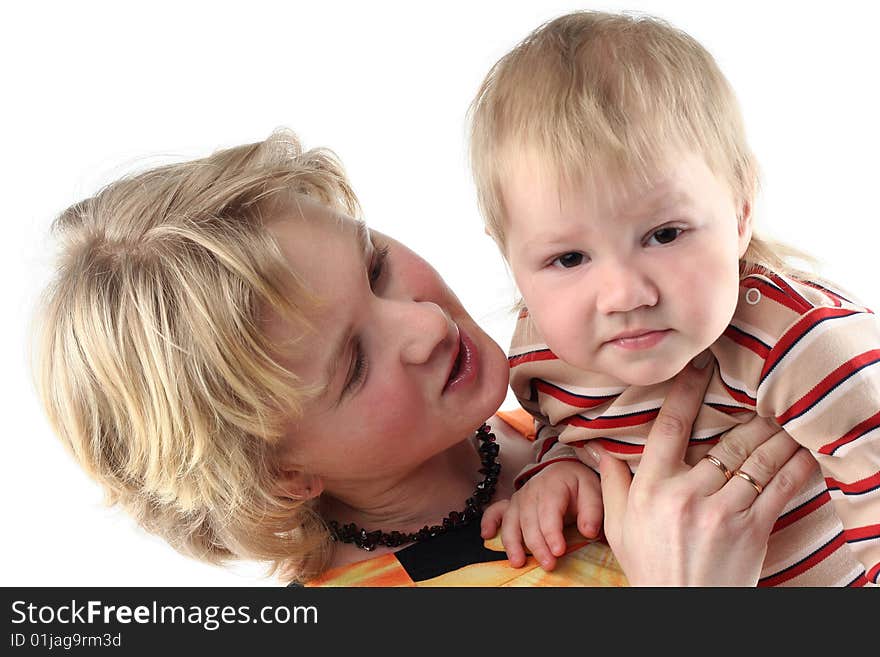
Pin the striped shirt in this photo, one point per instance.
(797, 352)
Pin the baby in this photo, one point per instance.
(613, 172)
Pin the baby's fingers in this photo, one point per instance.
(492, 517)
(531, 520)
(512, 538)
(551, 517)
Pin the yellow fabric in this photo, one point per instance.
(586, 564)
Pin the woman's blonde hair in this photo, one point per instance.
(151, 361)
(593, 92)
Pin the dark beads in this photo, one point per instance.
(368, 540)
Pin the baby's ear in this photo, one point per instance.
(298, 485)
(744, 227)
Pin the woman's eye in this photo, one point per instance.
(377, 264)
(569, 260)
(357, 371)
(665, 235)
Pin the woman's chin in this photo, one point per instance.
(496, 376)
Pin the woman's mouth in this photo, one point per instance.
(456, 366)
(464, 367)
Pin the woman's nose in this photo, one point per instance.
(422, 326)
(623, 287)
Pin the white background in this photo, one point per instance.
(92, 90)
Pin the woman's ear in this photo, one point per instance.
(298, 485)
(744, 227)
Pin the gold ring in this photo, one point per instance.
(718, 464)
(758, 487)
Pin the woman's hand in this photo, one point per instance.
(676, 525)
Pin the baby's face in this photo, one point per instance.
(629, 280)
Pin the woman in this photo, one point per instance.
(239, 362)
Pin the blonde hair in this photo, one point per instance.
(151, 361)
(593, 92)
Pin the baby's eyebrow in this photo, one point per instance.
(662, 196)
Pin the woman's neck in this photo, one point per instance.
(407, 504)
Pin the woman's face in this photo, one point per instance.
(406, 372)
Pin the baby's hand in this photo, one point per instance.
(538, 511)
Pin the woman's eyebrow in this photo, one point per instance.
(362, 233)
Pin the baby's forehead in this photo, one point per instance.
(649, 195)
(669, 182)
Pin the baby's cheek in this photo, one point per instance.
(578, 351)
(710, 305)
(566, 335)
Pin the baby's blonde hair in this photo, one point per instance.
(151, 359)
(593, 92)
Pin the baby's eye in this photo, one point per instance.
(569, 260)
(665, 235)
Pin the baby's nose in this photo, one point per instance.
(623, 289)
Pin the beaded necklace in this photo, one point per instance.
(473, 506)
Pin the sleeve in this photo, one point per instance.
(546, 449)
(821, 383)
(526, 355)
